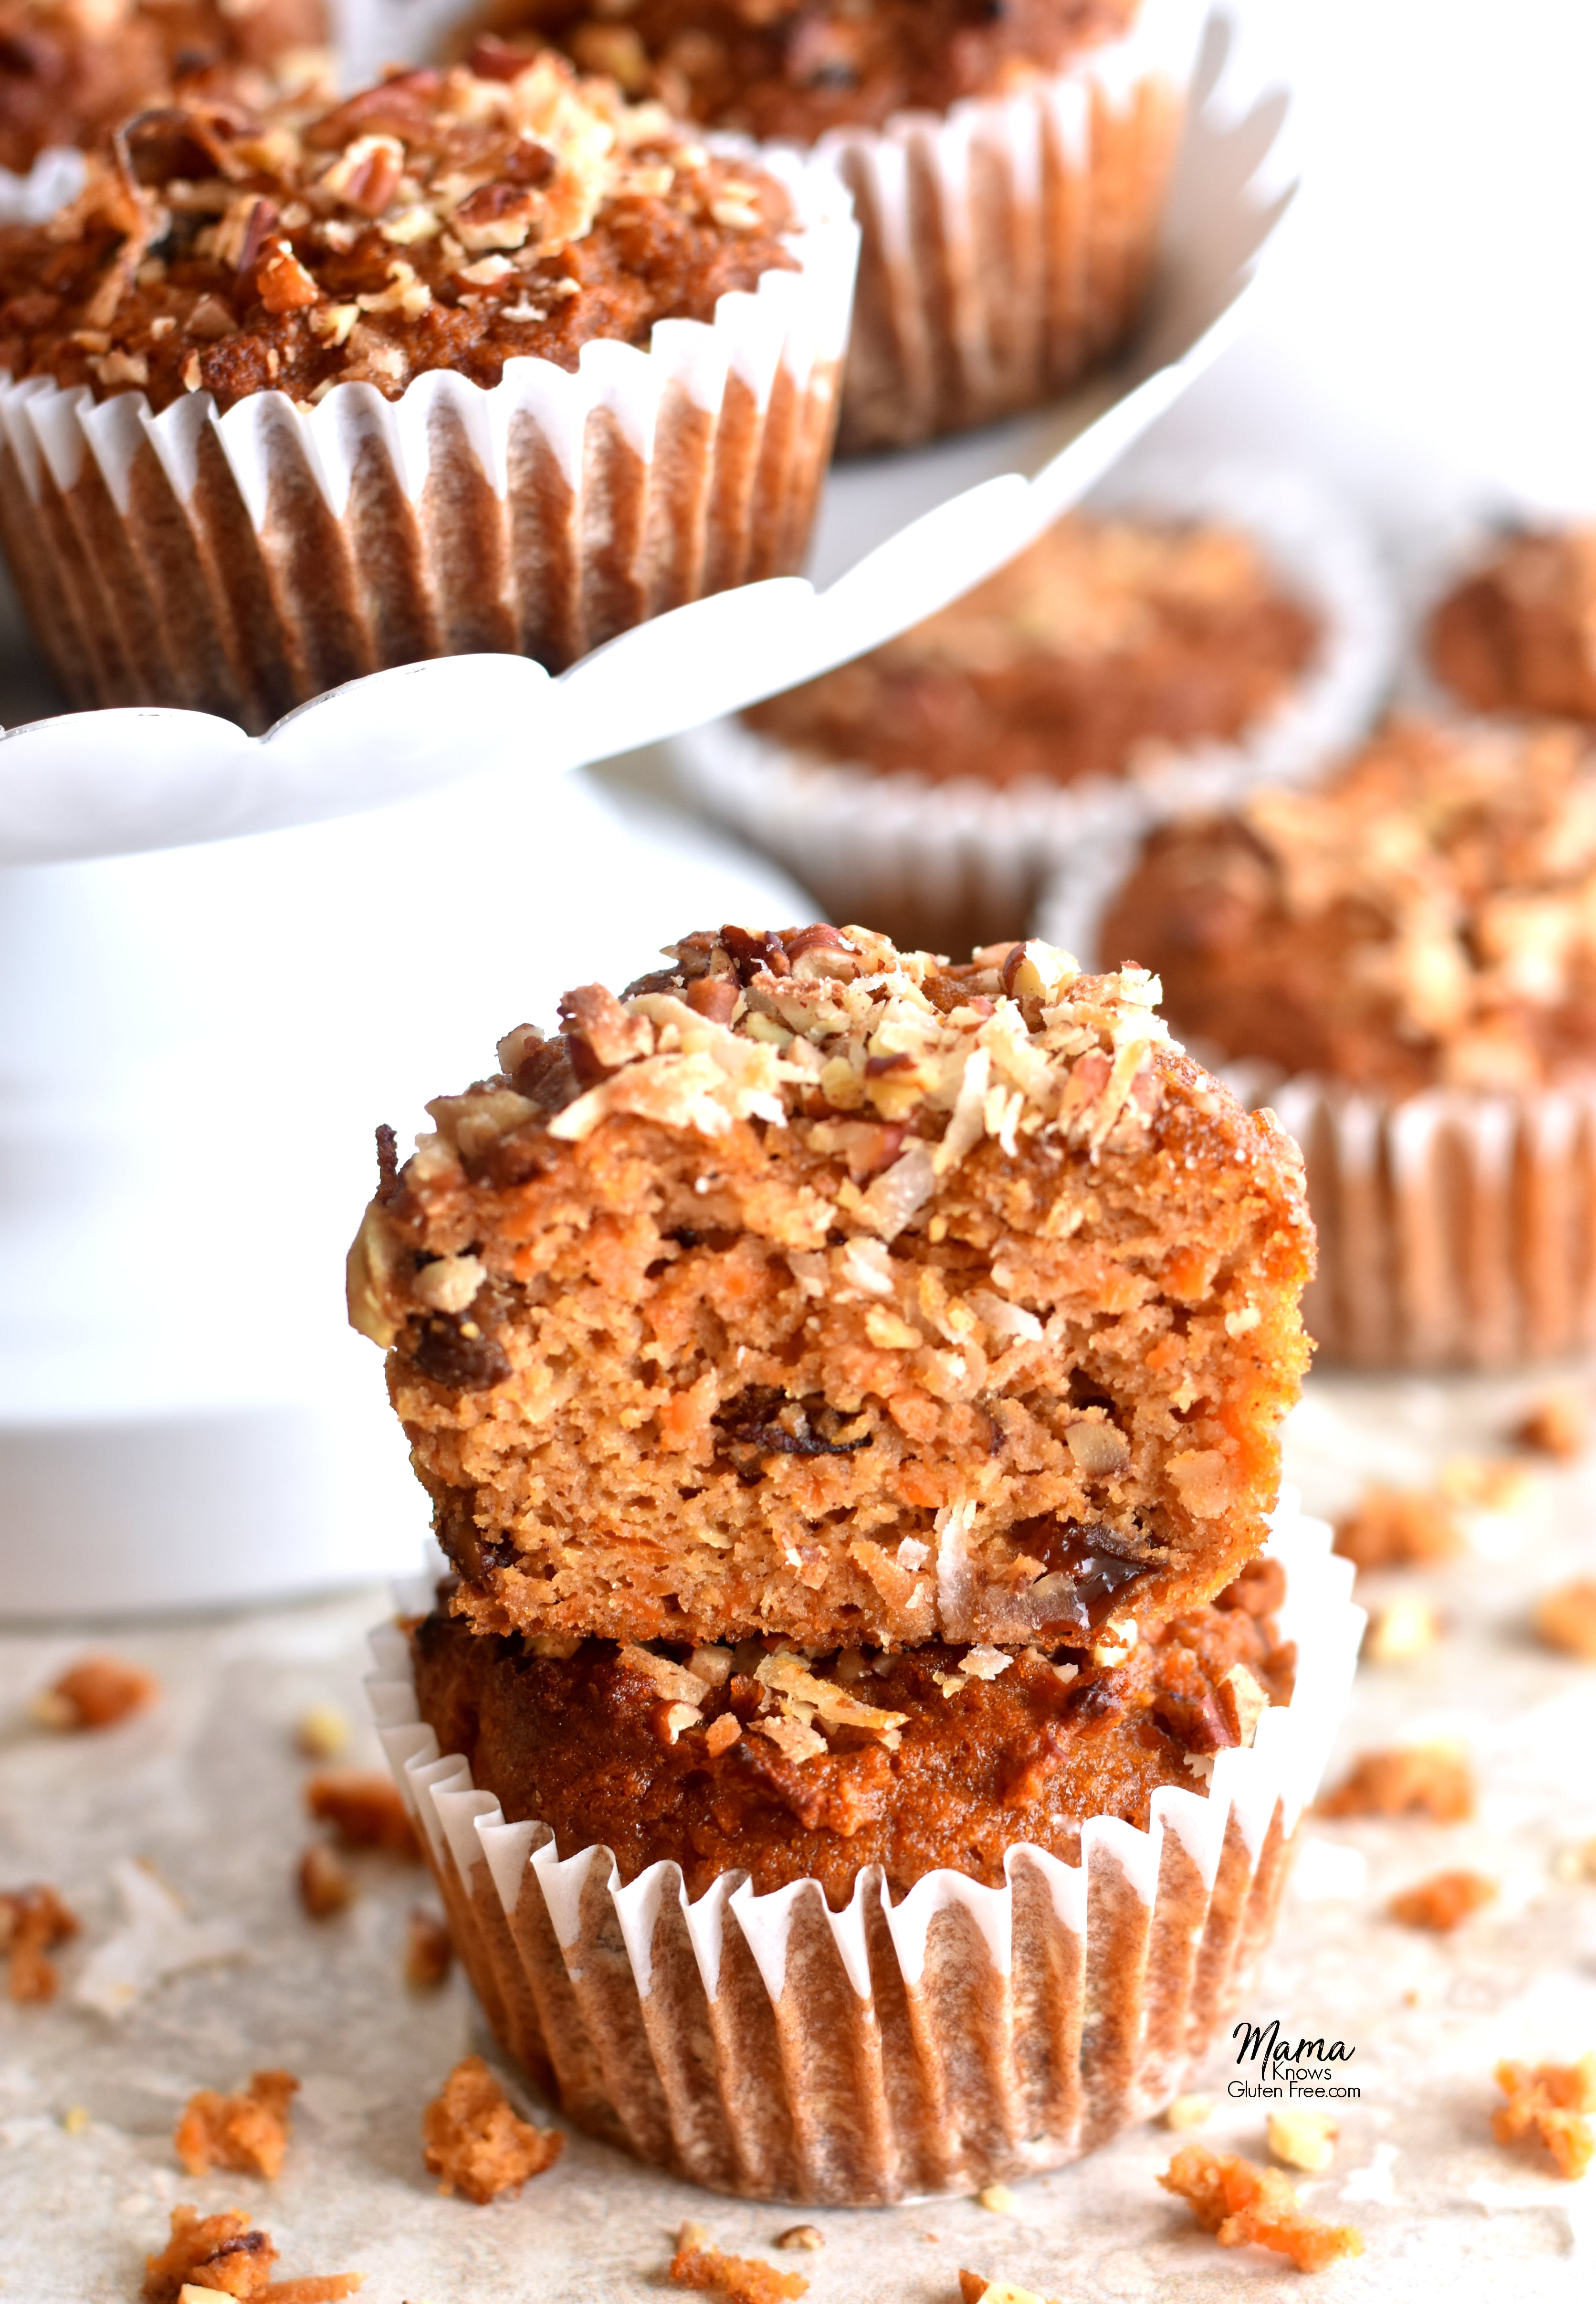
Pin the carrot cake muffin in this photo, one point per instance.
(1418, 935)
(791, 1766)
(1425, 917)
(1009, 164)
(477, 231)
(1106, 636)
(1517, 632)
(818, 1288)
(71, 70)
(934, 783)
(434, 221)
(794, 68)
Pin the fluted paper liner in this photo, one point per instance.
(957, 864)
(1008, 243)
(1456, 1230)
(242, 563)
(769, 2046)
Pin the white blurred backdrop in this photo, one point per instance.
(1429, 322)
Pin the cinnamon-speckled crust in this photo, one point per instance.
(585, 1744)
(70, 69)
(982, 1331)
(436, 221)
(794, 68)
(1423, 918)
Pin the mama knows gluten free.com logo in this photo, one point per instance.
(1284, 2067)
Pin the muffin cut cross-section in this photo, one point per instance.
(819, 1290)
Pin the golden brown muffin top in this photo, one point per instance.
(71, 70)
(794, 68)
(1428, 917)
(1517, 633)
(1105, 638)
(438, 220)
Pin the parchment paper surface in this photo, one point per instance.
(207, 1789)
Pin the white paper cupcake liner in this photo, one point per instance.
(242, 563)
(959, 864)
(769, 2046)
(1007, 244)
(1455, 1230)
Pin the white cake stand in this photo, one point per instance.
(224, 960)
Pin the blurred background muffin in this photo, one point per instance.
(1009, 165)
(1131, 663)
(1516, 633)
(70, 69)
(1408, 955)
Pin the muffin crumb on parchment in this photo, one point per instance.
(1556, 1425)
(1565, 1619)
(1550, 2104)
(229, 2253)
(1444, 1901)
(739, 2279)
(473, 2142)
(1399, 1528)
(96, 1692)
(33, 1921)
(1431, 1780)
(1240, 2203)
(365, 1808)
(325, 1882)
(247, 2133)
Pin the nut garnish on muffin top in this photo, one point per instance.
(438, 220)
(1426, 917)
(1103, 643)
(794, 68)
(816, 1288)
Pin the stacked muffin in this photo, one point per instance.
(848, 1387)
(1008, 165)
